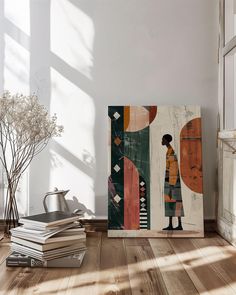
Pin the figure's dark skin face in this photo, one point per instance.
(165, 142)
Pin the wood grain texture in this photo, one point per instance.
(144, 273)
(221, 257)
(4, 249)
(4, 277)
(133, 266)
(174, 275)
(85, 279)
(113, 275)
(205, 278)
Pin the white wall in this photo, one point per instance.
(82, 55)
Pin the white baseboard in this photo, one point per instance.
(227, 230)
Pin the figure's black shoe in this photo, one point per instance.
(179, 227)
(168, 228)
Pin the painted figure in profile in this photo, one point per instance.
(172, 186)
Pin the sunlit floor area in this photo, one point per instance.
(133, 266)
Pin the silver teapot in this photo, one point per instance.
(55, 201)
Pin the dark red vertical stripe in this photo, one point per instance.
(152, 113)
(131, 195)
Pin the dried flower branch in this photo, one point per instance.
(25, 129)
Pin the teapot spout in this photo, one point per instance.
(65, 192)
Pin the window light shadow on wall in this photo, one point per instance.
(70, 61)
(71, 37)
(16, 51)
(16, 68)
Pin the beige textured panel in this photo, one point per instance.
(170, 120)
(139, 118)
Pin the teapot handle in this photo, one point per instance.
(44, 203)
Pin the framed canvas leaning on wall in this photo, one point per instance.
(155, 184)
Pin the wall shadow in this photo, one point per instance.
(124, 68)
(40, 84)
(2, 58)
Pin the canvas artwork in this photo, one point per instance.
(155, 184)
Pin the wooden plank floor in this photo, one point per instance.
(132, 266)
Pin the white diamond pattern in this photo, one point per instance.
(117, 198)
(116, 115)
(142, 183)
(142, 199)
(116, 168)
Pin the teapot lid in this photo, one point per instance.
(56, 191)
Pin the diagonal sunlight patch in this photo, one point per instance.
(172, 263)
(219, 291)
(76, 112)
(18, 35)
(72, 36)
(118, 278)
(16, 67)
(68, 175)
(18, 12)
(73, 154)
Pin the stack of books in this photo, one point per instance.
(53, 239)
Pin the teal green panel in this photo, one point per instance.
(136, 148)
(116, 179)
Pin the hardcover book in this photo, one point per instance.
(50, 254)
(48, 236)
(43, 247)
(46, 232)
(49, 219)
(53, 239)
(18, 259)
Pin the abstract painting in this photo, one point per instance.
(155, 185)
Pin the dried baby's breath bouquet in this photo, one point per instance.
(25, 129)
